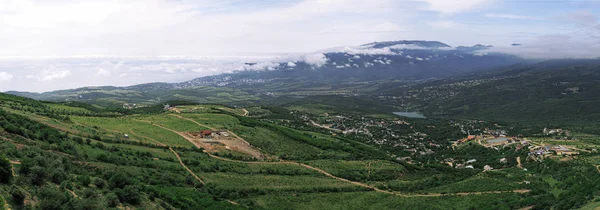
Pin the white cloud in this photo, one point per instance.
(4, 76)
(316, 59)
(509, 16)
(291, 64)
(102, 72)
(444, 24)
(451, 7)
(553, 47)
(581, 18)
(64, 27)
(259, 66)
(50, 73)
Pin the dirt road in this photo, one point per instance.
(242, 146)
(346, 180)
(185, 167)
(325, 127)
(369, 186)
(12, 168)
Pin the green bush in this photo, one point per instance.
(18, 195)
(5, 170)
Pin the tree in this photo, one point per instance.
(5, 170)
(37, 175)
(84, 180)
(129, 194)
(119, 180)
(18, 195)
(112, 200)
(100, 183)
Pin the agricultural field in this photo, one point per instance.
(171, 122)
(360, 170)
(140, 130)
(376, 200)
(159, 166)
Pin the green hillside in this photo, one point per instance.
(69, 156)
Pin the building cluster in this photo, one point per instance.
(208, 134)
(551, 150)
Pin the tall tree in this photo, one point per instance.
(5, 170)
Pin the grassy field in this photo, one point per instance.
(202, 163)
(591, 206)
(313, 108)
(232, 181)
(375, 200)
(219, 121)
(276, 144)
(140, 130)
(172, 122)
(360, 170)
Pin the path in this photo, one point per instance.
(325, 127)
(339, 178)
(185, 167)
(519, 162)
(245, 147)
(151, 139)
(12, 168)
(246, 112)
(598, 168)
(176, 155)
(72, 193)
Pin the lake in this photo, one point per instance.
(410, 114)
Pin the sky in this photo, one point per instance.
(57, 44)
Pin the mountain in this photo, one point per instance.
(418, 43)
(555, 92)
(337, 71)
(391, 60)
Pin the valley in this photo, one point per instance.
(514, 135)
(249, 157)
(300, 105)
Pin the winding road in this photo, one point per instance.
(331, 175)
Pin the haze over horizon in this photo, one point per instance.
(50, 45)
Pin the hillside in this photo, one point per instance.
(336, 71)
(59, 156)
(555, 92)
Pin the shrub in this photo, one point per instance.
(5, 170)
(18, 194)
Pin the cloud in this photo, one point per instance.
(50, 73)
(102, 72)
(364, 50)
(291, 64)
(259, 66)
(452, 7)
(509, 16)
(581, 18)
(553, 47)
(443, 24)
(316, 59)
(4, 76)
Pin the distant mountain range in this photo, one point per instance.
(552, 92)
(404, 60)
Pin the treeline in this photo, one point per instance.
(20, 125)
(578, 180)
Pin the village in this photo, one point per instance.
(537, 150)
(413, 141)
